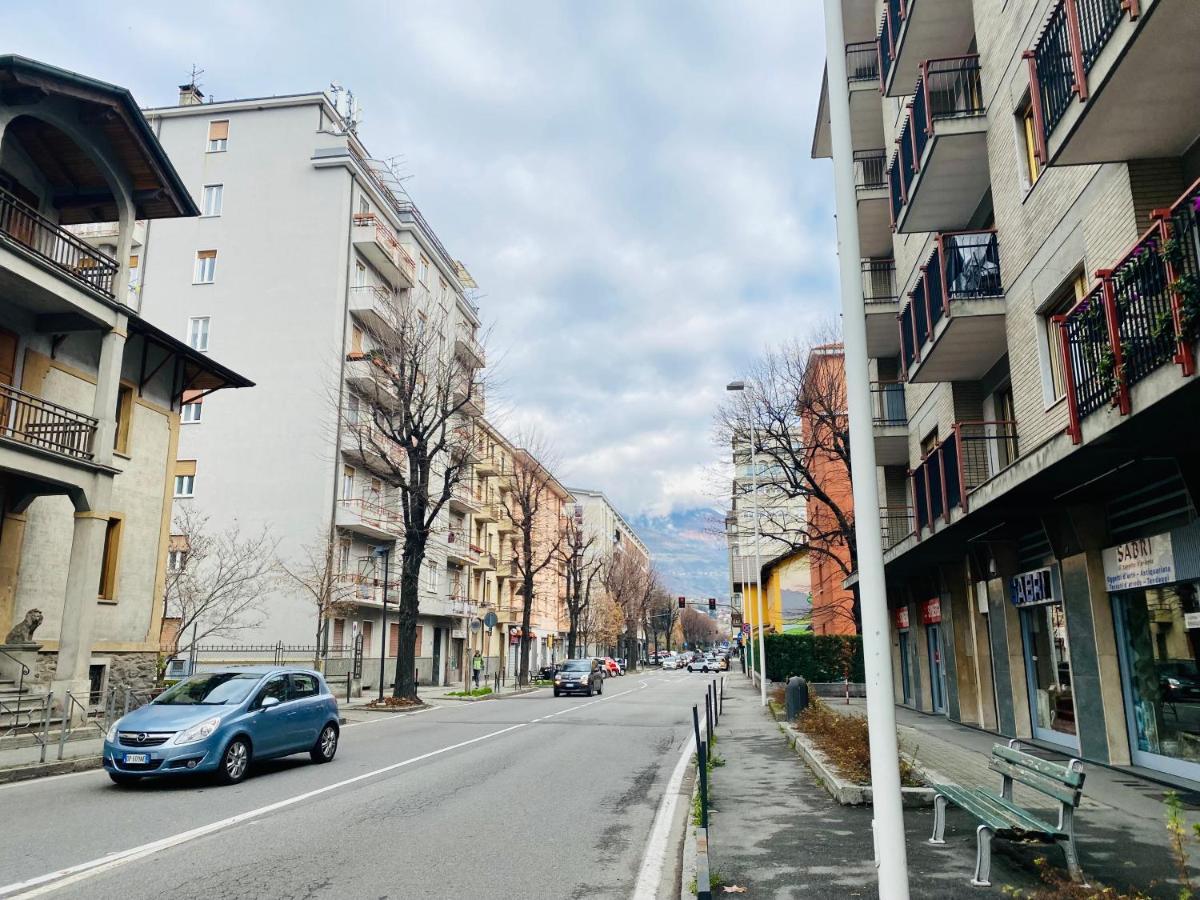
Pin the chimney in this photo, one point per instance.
(190, 95)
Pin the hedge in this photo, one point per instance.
(814, 657)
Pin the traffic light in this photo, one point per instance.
(682, 602)
(712, 604)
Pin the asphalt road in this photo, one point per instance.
(526, 797)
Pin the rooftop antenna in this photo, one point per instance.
(196, 73)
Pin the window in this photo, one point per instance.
(368, 632)
(198, 333)
(424, 270)
(344, 556)
(1066, 298)
(277, 687)
(339, 638)
(420, 635)
(211, 200)
(929, 443)
(107, 589)
(1028, 140)
(206, 267)
(356, 341)
(347, 482)
(305, 685)
(393, 639)
(189, 412)
(218, 136)
(364, 206)
(134, 275)
(352, 407)
(124, 419)
(360, 275)
(185, 477)
(176, 559)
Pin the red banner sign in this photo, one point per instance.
(931, 611)
(902, 618)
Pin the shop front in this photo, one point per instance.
(906, 656)
(1038, 597)
(1156, 611)
(931, 618)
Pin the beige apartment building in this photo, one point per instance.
(1026, 201)
(90, 393)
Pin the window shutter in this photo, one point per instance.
(185, 467)
(193, 397)
(218, 130)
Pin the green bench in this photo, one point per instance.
(999, 816)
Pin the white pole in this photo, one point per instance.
(888, 824)
(762, 625)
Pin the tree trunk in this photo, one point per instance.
(405, 686)
(526, 613)
(573, 632)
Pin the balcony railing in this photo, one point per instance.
(374, 513)
(45, 425)
(870, 170)
(385, 237)
(862, 61)
(1143, 315)
(895, 524)
(879, 281)
(964, 265)
(948, 88)
(1075, 33)
(894, 13)
(66, 252)
(459, 546)
(376, 292)
(973, 453)
(887, 403)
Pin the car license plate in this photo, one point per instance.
(137, 758)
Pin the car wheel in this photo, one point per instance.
(326, 745)
(122, 779)
(235, 762)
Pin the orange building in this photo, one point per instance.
(824, 424)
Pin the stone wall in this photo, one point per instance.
(132, 670)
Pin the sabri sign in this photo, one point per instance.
(1139, 563)
(1031, 588)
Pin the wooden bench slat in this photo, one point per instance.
(1037, 782)
(996, 812)
(1064, 774)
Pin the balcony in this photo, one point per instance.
(487, 461)
(469, 349)
(866, 113)
(367, 590)
(939, 172)
(871, 194)
(952, 328)
(375, 307)
(39, 425)
(459, 551)
(1143, 315)
(487, 561)
(1110, 78)
(487, 512)
(895, 524)
(972, 454)
(369, 518)
(915, 30)
(890, 422)
(365, 444)
(881, 302)
(66, 254)
(462, 500)
(469, 402)
(379, 245)
(368, 374)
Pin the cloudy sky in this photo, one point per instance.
(628, 182)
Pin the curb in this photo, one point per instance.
(689, 871)
(39, 770)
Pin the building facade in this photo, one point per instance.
(90, 391)
(1025, 208)
(304, 250)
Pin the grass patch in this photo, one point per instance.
(845, 742)
(477, 692)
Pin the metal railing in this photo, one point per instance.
(870, 170)
(970, 455)
(879, 281)
(887, 403)
(888, 39)
(377, 291)
(895, 524)
(471, 343)
(45, 425)
(373, 513)
(1098, 19)
(70, 255)
(862, 61)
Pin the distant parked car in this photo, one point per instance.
(671, 662)
(703, 664)
(621, 666)
(219, 722)
(579, 676)
(611, 667)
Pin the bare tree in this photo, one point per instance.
(630, 584)
(329, 591)
(534, 506)
(601, 623)
(583, 566)
(697, 627)
(797, 403)
(216, 580)
(661, 613)
(410, 417)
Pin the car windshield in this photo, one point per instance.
(211, 689)
(577, 665)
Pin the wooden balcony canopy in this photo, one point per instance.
(192, 372)
(81, 193)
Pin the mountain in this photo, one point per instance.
(689, 549)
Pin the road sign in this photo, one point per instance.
(490, 620)
(746, 628)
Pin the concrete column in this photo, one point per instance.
(108, 381)
(79, 603)
(12, 536)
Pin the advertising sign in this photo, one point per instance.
(1031, 588)
(931, 611)
(1139, 563)
(902, 618)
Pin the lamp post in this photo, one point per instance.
(386, 554)
(762, 658)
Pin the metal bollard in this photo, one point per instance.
(795, 696)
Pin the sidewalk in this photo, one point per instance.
(775, 830)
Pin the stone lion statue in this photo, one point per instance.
(22, 633)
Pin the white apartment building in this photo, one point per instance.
(302, 245)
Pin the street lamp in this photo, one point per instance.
(762, 658)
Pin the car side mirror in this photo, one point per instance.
(268, 702)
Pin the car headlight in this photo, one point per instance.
(1174, 682)
(111, 737)
(197, 732)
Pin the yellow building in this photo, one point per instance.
(787, 599)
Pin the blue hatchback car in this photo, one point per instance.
(219, 721)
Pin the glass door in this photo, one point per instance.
(905, 682)
(1048, 674)
(937, 668)
(1158, 631)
